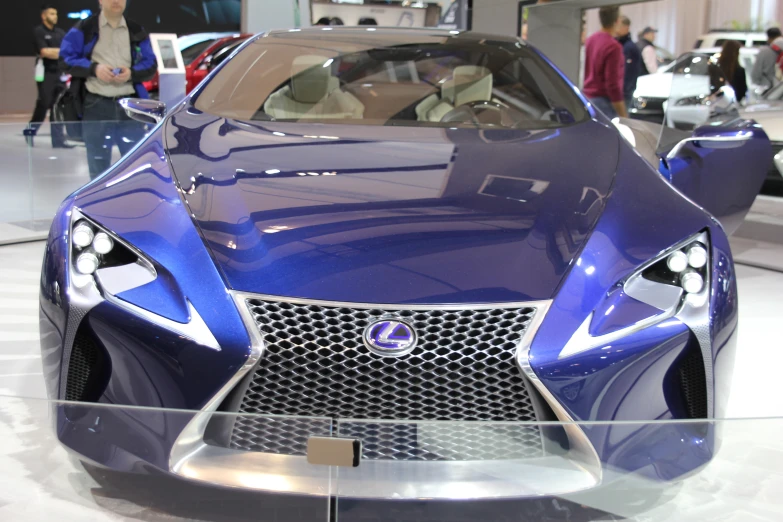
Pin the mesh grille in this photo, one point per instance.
(463, 369)
(82, 365)
(693, 383)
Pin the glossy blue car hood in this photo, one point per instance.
(392, 214)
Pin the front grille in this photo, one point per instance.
(463, 369)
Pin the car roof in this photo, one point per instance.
(713, 50)
(726, 32)
(396, 34)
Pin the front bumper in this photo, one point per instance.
(558, 472)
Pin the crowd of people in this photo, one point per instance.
(614, 63)
(106, 57)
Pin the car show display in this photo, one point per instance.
(374, 232)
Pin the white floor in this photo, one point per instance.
(744, 483)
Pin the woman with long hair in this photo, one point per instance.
(733, 71)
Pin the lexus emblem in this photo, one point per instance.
(390, 337)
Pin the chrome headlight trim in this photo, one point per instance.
(671, 300)
(87, 291)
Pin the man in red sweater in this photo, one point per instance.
(605, 67)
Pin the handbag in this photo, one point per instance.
(65, 112)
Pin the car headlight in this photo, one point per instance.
(99, 256)
(683, 267)
(676, 283)
(693, 100)
(102, 265)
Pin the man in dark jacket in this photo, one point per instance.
(647, 48)
(633, 59)
(47, 47)
(108, 57)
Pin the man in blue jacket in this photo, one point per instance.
(108, 58)
(633, 59)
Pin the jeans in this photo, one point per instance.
(104, 125)
(604, 105)
(48, 90)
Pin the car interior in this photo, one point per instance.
(391, 86)
(461, 94)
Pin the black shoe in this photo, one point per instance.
(63, 146)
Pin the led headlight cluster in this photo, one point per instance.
(89, 244)
(93, 249)
(685, 267)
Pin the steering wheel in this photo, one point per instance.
(483, 112)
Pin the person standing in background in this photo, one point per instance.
(605, 67)
(734, 72)
(647, 47)
(108, 57)
(47, 38)
(633, 59)
(764, 72)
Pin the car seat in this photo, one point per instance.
(469, 83)
(312, 93)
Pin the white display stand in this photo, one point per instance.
(171, 68)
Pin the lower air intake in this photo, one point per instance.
(85, 374)
(693, 382)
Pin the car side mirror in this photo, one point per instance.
(716, 141)
(145, 111)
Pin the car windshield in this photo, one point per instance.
(392, 78)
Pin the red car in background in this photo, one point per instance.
(199, 60)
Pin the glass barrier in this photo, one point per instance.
(42, 166)
(78, 461)
(15, 173)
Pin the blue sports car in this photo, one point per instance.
(358, 233)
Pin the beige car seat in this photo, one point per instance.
(312, 94)
(469, 83)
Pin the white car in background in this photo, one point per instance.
(717, 37)
(653, 91)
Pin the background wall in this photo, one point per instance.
(694, 18)
(263, 15)
(17, 64)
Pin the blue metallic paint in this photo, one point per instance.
(404, 206)
(724, 182)
(388, 222)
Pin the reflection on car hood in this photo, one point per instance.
(392, 214)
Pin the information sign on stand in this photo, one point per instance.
(171, 68)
